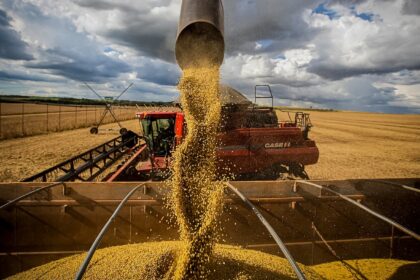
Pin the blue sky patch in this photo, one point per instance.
(365, 16)
(108, 49)
(323, 10)
(265, 43)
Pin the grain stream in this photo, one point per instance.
(196, 195)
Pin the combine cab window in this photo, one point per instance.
(160, 134)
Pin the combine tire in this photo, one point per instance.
(297, 170)
(94, 130)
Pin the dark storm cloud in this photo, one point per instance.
(99, 72)
(152, 44)
(150, 34)
(159, 72)
(86, 66)
(14, 75)
(411, 7)
(11, 44)
(360, 95)
(277, 25)
(346, 2)
(404, 77)
(328, 70)
(325, 53)
(70, 53)
(102, 5)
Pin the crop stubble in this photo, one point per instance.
(365, 145)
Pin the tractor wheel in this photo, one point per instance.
(94, 130)
(297, 170)
(123, 130)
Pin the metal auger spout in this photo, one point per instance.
(200, 39)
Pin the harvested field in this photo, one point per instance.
(365, 145)
(22, 157)
(352, 145)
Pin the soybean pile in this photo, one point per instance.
(150, 261)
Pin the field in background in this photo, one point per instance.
(26, 119)
(352, 145)
(365, 145)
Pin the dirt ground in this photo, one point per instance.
(352, 145)
(23, 157)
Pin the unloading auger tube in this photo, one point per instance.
(200, 38)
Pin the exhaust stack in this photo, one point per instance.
(200, 39)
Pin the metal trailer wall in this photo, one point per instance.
(66, 218)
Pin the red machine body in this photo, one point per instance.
(249, 150)
(243, 150)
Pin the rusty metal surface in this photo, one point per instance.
(65, 220)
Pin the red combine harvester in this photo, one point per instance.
(251, 141)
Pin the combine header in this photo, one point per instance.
(90, 164)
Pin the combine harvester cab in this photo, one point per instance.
(162, 133)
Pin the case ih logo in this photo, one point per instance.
(280, 145)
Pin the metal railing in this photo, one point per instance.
(19, 198)
(366, 209)
(101, 234)
(272, 232)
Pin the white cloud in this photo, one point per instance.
(363, 57)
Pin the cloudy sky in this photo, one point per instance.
(353, 55)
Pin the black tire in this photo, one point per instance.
(94, 130)
(123, 130)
